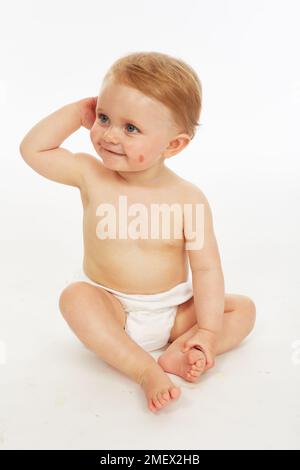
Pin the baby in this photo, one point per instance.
(133, 293)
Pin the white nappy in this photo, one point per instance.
(150, 317)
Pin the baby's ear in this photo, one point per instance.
(176, 145)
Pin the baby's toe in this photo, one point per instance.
(162, 399)
(156, 402)
(191, 378)
(200, 362)
(151, 406)
(174, 392)
(193, 356)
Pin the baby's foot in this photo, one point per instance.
(189, 365)
(159, 389)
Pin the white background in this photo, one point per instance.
(245, 157)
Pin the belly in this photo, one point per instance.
(132, 269)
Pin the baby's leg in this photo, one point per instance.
(238, 321)
(98, 320)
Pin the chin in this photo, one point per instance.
(111, 163)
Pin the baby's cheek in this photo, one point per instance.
(139, 160)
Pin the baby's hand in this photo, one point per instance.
(87, 109)
(205, 341)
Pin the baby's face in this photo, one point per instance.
(133, 125)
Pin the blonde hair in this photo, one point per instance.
(166, 79)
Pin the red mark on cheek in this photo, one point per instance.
(141, 158)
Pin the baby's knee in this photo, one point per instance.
(250, 310)
(69, 295)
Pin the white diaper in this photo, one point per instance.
(150, 317)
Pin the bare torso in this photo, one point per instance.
(133, 266)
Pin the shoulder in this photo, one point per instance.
(188, 192)
(195, 199)
(191, 193)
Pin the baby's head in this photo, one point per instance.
(147, 110)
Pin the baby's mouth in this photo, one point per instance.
(113, 153)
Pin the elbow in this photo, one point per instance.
(25, 152)
(22, 149)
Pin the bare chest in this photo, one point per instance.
(139, 219)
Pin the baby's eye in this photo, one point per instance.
(99, 115)
(127, 125)
(131, 125)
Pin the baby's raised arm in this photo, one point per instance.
(41, 149)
